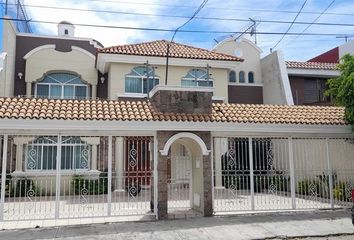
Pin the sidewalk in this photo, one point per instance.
(260, 226)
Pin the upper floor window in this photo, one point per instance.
(41, 154)
(232, 76)
(141, 80)
(66, 31)
(241, 77)
(62, 85)
(250, 77)
(197, 78)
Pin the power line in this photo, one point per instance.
(220, 8)
(186, 17)
(172, 30)
(314, 21)
(303, 5)
(202, 5)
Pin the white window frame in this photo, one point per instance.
(235, 77)
(197, 79)
(248, 78)
(55, 144)
(62, 86)
(141, 78)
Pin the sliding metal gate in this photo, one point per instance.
(277, 173)
(59, 176)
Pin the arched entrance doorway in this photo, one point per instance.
(184, 156)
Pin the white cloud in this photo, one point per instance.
(300, 48)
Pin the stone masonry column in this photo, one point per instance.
(207, 175)
(162, 192)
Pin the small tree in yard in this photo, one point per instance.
(341, 89)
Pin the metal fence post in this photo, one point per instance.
(330, 175)
(3, 177)
(212, 171)
(292, 172)
(109, 190)
(250, 153)
(155, 173)
(57, 179)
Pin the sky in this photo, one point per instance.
(124, 13)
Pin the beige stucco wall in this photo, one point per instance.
(276, 84)
(48, 59)
(117, 72)
(250, 53)
(7, 73)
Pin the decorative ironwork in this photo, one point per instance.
(29, 195)
(231, 158)
(132, 156)
(313, 191)
(83, 194)
(133, 191)
(84, 157)
(32, 159)
(348, 192)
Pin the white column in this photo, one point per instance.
(109, 190)
(29, 89)
(94, 90)
(19, 142)
(119, 157)
(220, 148)
(250, 153)
(93, 141)
(3, 177)
(330, 174)
(292, 172)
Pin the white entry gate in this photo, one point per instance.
(179, 178)
(60, 176)
(277, 173)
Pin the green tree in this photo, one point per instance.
(341, 89)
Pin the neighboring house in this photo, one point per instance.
(60, 66)
(334, 55)
(308, 81)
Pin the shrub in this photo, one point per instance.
(24, 188)
(93, 186)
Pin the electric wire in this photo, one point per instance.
(186, 17)
(302, 6)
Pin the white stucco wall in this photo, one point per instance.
(117, 72)
(347, 48)
(250, 53)
(7, 73)
(276, 85)
(48, 59)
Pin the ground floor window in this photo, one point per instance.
(41, 154)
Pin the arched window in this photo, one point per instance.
(141, 80)
(62, 85)
(241, 77)
(232, 76)
(41, 154)
(250, 77)
(66, 31)
(197, 78)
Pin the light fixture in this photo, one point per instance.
(102, 79)
(19, 75)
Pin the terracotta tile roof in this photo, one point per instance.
(312, 65)
(24, 108)
(159, 48)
